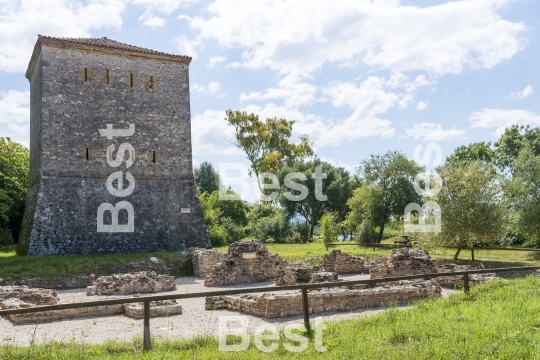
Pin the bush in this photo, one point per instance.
(366, 234)
(6, 239)
(269, 223)
(327, 230)
(234, 232)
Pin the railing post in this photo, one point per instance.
(466, 283)
(305, 306)
(472, 253)
(147, 342)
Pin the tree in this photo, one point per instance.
(393, 173)
(206, 178)
(366, 206)
(481, 151)
(523, 190)
(327, 229)
(266, 144)
(472, 210)
(269, 223)
(336, 187)
(511, 142)
(14, 171)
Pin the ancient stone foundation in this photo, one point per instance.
(294, 274)
(136, 283)
(404, 262)
(323, 276)
(157, 308)
(25, 294)
(271, 305)
(245, 262)
(343, 263)
(204, 260)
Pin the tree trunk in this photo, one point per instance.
(343, 232)
(312, 227)
(381, 233)
(460, 245)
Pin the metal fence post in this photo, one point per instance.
(305, 306)
(466, 283)
(147, 342)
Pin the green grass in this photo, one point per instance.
(13, 266)
(498, 320)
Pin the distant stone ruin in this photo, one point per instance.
(323, 276)
(204, 260)
(136, 283)
(402, 262)
(245, 262)
(29, 295)
(157, 308)
(294, 274)
(343, 263)
(272, 305)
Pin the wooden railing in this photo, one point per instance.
(302, 287)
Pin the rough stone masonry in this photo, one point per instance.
(110, 151)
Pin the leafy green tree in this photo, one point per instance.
(14, 170)
(523, 190)
(206, 178)
(511, 142)
(366, 204)
(393, 173)
(481, 151)
(327, 230)
(472, 210)
(336, 187)
(269, 223)
(266, 143)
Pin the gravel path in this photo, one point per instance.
(194, 321)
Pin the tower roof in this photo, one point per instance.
(103, 44)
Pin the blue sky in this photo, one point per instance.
(354, 75)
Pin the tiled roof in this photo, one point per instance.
(108, 43)
(97, 42)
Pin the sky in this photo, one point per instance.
(354, 75)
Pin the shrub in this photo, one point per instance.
(366, 234)
(327, 230)
(269, 223)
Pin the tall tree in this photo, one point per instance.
(14, 168)
(481, 151)
(266, 143)
(336, 189)
(206, 178)
(472, 211)
(366, 204)
(511, 142)
(393, 173)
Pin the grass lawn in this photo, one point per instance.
(15, 266)
(498, 320)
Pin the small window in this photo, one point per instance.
(86, 75)
(154, 157)
(131, 82)
(107, 76)
(152, 84)
(87, 154)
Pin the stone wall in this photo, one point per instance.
(245, 262)
(272, 305)
(137, 283)
(204, 261)
(69, 165)
(402, 262)
(343, 263)
(294, 274)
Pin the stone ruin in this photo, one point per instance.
(324, 276)
(402, 262)
(343, 263)
(245, 262)
(272, 305)
(157, 308)
(204, 260)
(302, 274)
(29, 295)
(137, 283)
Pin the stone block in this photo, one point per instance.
(157, 309)
(136, 283)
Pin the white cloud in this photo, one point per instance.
(148, 19)
(501, 119)
(215, 60)
(421, 106)
(518, 95)
(22, 20)
(166, 6)
(212, 88)
(289, 37)
(187, 46)
(442, 135)
(212, 135)
(15, 107)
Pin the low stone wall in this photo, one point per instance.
(343, 263)
(271, 305)
(157, 309)
(245, 262)
(204, 260)
(32, 296)
(136, 283)
(324, 276)
(58, 283)
(402, 262)
(294, 274)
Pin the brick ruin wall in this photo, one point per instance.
(204, 261)
(404, 261)
(245, 262)
(272, 305)
(343, 263)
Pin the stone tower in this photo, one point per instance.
(110, 151)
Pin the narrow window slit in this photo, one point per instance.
(86, 74)
(153, 156)
(87, 154)
(152, 82)
(108, 76)
(131, 80)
